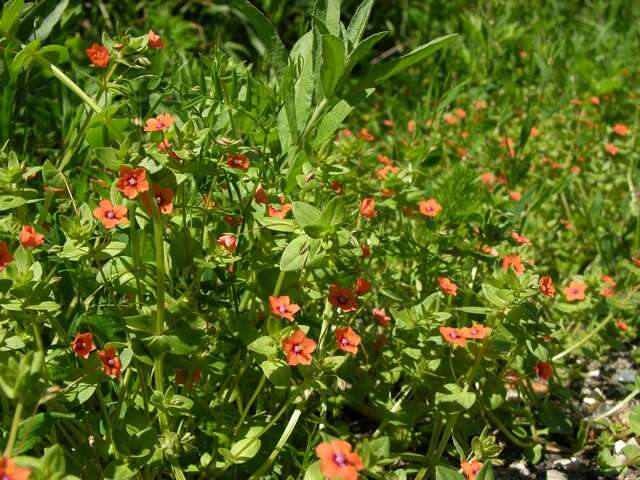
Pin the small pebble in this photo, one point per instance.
(556, 475)
(521, 468)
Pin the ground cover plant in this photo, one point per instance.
(318, 239)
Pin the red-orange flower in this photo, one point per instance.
(622, 326)
(429, 208)
(546, 286)
(183, 378)
(543, 370)
(452, 335)
(10, 471)
(98, 55)
(447, 286)
(229, 242)
(515, 196)
(608, 280)
(575, 291)
(83, 344)
(337, 461)
(5, 256)
(154, 40)
(364, 134)
(163, 197)
(381, 317)
(475, 332)
(159, 123)
(514, 262)
(611, 149)
(347, 340)
(365, 251)
(110, 215)
(132, 181)
(607, 292)
(298, 348)
(620, 129)
(368, 207)
(520, 239)
(282, 307)
(281, 212)
(362, 286)
(30, 238)
(239, 161)
(342, 297)
(261, 195)
(471, 469)
(534, 132)
(111, 364)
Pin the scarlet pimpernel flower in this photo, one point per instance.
(347, 340)
(471, 469)
(83, 344)
(452, 335)
(546, 286)
(229, 242)
(429, 208)
(337, 461)
(159, 123)
(5, 256)
(298, 348)
(111, 364)
(342, 297)
(10, 471)
(447, 286)
(238, 161)
(475, 332)
(163, 198)
(368, 207)
(30, 238)
(362, 286)
(543, 370)
(98, 55)
(282, 307)
(575, 291)
(514, 262)
(132, 181)
(154, 40)
(110, 215)
(381, 317)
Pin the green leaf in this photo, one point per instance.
(380, 73)
(244, 450)
(486, 472)
(34, 429)
(454, 399)
(278, 372)
(446, 473)
(10, 15)
(313, 472)
(331, 122)
(45, 28)
(294, 256)
(497, 296)
(277, 224)
(359, 22)
(475, 310)
(333, 213)
(7, 202)
(302, 52)
(316, 230)
(265, 30)
(108, 157)
(306, 214)
(362, 49)
(183, 341)
(264, 345)
(634, 420)
(328, 11)
(332, 64)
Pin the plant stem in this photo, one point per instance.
(14, 428)
(583, 340)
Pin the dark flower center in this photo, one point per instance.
(342, 299)
(344, 341)
(282, 309)
(111, 214)
(159, 200)
(132, 181)
(340, 459)
(110, 362)
(297, 348)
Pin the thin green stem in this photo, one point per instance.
(583, 340)
(17, 414)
